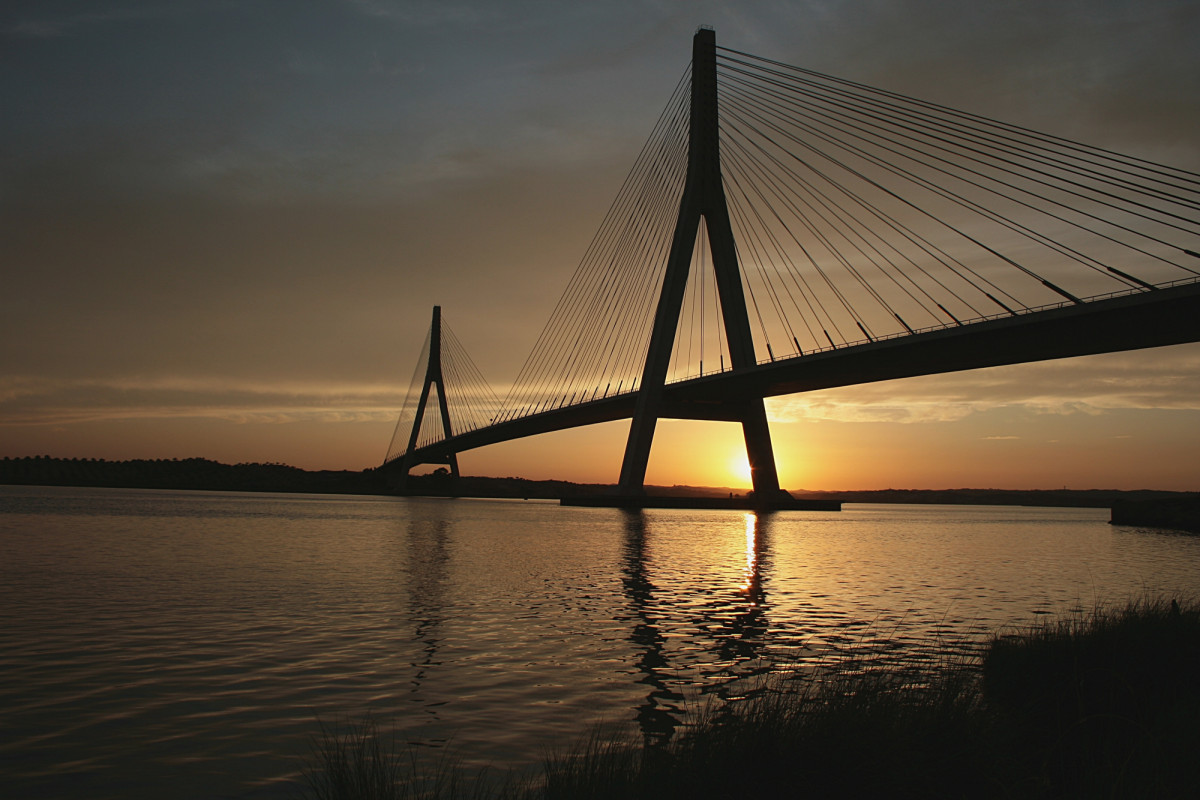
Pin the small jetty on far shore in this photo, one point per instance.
(1181, 514)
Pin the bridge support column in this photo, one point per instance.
(759, 451)
(703, 196)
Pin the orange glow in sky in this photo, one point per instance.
(228, 247)
(739, 471)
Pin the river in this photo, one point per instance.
(185, 644)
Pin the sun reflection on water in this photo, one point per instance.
(750, 574)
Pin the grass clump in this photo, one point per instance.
(868, 736)
(353, 760)
(1096, 705)
(356, 761)
(1105, 704)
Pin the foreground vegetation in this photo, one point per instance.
(1097, 705)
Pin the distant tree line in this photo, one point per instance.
(201, 473)
(186, 473)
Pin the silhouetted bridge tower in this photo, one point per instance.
(896, 237)
(703, 197)
(435, 381)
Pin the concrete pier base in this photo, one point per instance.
(780, 502)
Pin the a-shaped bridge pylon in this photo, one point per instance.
(703, 198)
(450, 382)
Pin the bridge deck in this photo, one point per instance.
(1127, 322)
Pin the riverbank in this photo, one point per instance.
(203, 474)
(1087, 706)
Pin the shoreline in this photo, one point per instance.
(1142, 507)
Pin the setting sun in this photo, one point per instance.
(739, 470)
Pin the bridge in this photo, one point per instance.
(878, 237)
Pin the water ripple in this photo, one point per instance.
(186, 644)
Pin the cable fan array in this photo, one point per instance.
(594, 344)
(470, 401)
(858, 214)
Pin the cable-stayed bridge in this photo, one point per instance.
(784, 231)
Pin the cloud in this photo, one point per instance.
(800, 408)
(1000, 438)
(394, 67)
(27, 401)
(51, 26)
(425, 13)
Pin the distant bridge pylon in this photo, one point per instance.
(434, 381)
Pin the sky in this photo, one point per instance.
(223, 224)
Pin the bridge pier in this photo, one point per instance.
(400, 485)
(703, 196)
(760, 453)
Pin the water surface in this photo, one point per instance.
(185, 643)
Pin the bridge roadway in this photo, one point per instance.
(1151, 318)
